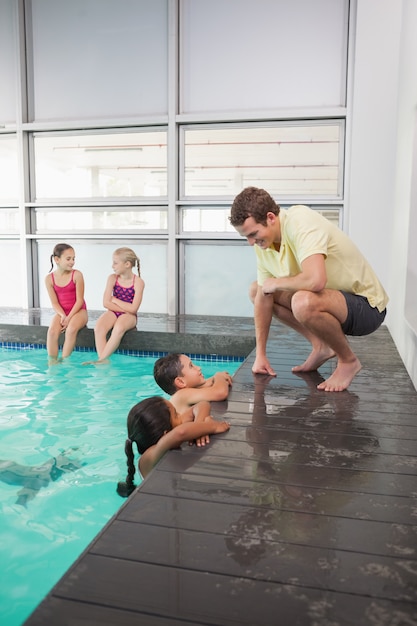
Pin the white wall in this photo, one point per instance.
(404, 336)
(384, 98)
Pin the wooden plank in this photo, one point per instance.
(390, 578)
(349, 480)
(221, 600)
(327, 530)
(392, 508)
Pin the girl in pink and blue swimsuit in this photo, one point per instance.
(65, 288)
(122, 299)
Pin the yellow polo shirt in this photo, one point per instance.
(305, 232)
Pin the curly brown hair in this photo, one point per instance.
(252, 202)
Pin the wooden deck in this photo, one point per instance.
(304, 513)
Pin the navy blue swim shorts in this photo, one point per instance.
(362, 318)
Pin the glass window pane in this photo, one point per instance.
(10, 252)
(8, 52)
(260, 54)
(205, 294)
(100, 220)
(9, 221)
(333, 215)
(107, 165)
(206, 219)
(300, 161)
(96, 59)
(216, 220)
(9, 187)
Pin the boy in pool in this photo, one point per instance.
(177, 375)
(156, 427)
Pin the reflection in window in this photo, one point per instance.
(333, 215)
(104, 165)
(9, 187)
(216, 220)
(9, 221)
(206, 220)
(85, 220)
(288, 161)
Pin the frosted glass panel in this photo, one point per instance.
(94, 260)
(99, 58)
(11, 296)
(8, 51)
(9, 221)
(244, 55)
(217, 279)
(9, 179)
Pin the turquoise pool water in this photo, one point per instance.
(62, 433)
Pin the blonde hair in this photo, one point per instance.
(128, 256)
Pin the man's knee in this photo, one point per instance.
(303, 304)
(253, 289)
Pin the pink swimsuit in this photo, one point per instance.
(67, 295)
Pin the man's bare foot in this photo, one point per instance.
(341, 377)
(315, 360)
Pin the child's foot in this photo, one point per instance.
(54, 360)
(98, 362)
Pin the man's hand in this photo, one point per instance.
(262, 366)
(270, 286)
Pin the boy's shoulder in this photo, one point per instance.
(183, 397)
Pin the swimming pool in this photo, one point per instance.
(62, 430)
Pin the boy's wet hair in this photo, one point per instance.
(147, 422)
(166, 370)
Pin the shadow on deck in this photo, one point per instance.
(304, 513)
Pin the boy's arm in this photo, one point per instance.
(214, 389)
(175, 437)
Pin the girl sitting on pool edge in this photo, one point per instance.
(122, 298)
(65, 287)
(156, 427)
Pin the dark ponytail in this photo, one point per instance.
(59, 251)
(125, 488)
(147, 422)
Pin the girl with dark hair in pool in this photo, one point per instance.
(156, 427)
(65, 288)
